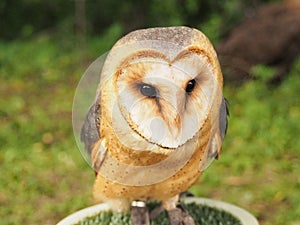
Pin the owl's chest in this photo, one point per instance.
(160, 181)
(127, 173)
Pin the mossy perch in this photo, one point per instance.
(202, 214)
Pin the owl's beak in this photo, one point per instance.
(173, 106)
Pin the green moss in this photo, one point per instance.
(202, 214)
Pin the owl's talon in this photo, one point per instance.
(186, 194)
(139, 214)
(178, 216)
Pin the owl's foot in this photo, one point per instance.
(178, 216)
(139, 213)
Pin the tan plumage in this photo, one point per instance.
(159, 116)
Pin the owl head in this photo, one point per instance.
(159, 85)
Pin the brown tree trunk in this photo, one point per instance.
(80, 26)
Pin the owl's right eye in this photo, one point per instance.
(148, 90)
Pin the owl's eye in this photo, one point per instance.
(148, 90)
(190, 86)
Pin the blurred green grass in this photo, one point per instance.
(44, 177)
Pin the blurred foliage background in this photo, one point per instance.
(45, 46)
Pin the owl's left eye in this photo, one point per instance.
(148, 90)
(190, 86)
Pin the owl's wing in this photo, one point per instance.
(90, 136)
(223, 122)
(216, 145)
(90, 130)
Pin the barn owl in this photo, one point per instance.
(158, 118)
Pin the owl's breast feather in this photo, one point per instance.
(179, 181)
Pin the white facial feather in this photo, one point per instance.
(173, 116)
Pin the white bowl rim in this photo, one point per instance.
(244, 216)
